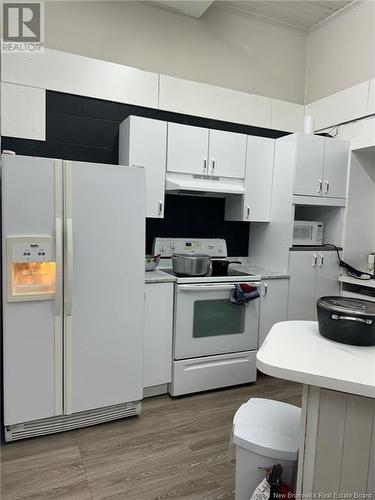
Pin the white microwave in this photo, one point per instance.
(307, 232)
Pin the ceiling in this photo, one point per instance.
(298, 14)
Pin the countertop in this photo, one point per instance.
(265, 274)
(159, 276)
(356, 281)
(294, 350)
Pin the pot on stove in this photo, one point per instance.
(191, 264)
(220, 266)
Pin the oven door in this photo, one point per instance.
(207, 323)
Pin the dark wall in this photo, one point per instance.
(86, 129)
(198, 217)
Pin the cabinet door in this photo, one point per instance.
(309, 165)
(301, 301)
(143, 142)
(187, 149)
(227, 154)
(258, 180)
(327, 276)
(273, 306)
(158, 334)
(336, 156)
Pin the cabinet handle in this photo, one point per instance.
(320, 186)
(160, 207)
(314, 260)
(321, 257)
(247, 211)
(204, 165)
(212, 166)
(326, 183)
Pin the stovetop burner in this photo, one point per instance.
(232, 276)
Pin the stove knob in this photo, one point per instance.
(162, 248)
(211, 246)
(173, 245)
(220, 249)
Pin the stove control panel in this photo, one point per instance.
(215, 247)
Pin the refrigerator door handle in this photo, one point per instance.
(59, 266)
(69, 267)
(58, 334)
(68, 292)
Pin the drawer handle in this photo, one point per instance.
(352, 318)
(320, 186)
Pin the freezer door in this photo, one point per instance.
(104, 284)
(32, 329)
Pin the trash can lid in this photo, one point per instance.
(268, 428)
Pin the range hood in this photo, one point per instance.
(199, 184)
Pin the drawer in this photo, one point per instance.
(212, 372)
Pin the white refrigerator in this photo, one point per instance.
(73, 293)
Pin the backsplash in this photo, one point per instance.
(86, 129)
(198, 217)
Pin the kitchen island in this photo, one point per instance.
(337, 446)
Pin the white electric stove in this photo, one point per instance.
(215, 341)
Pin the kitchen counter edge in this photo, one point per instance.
(294, 350)
(159, 276)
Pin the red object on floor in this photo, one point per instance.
(285, 492)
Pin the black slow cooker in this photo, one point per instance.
(347, 320)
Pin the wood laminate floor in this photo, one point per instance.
(177, 448)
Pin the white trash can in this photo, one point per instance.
(265, 433)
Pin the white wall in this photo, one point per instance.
(360, 216)
(220, 48)
(341, 54)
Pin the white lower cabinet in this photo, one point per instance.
(158, 334)
(313, 274)
(273, 306)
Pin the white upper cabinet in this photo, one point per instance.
(258, 180)
(187, 149)
(196, 150)
(255, 205)
(227, 154)
(309, 165)
(143, 142)
(321, 166)
(336, 157)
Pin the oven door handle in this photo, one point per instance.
(210, 288)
